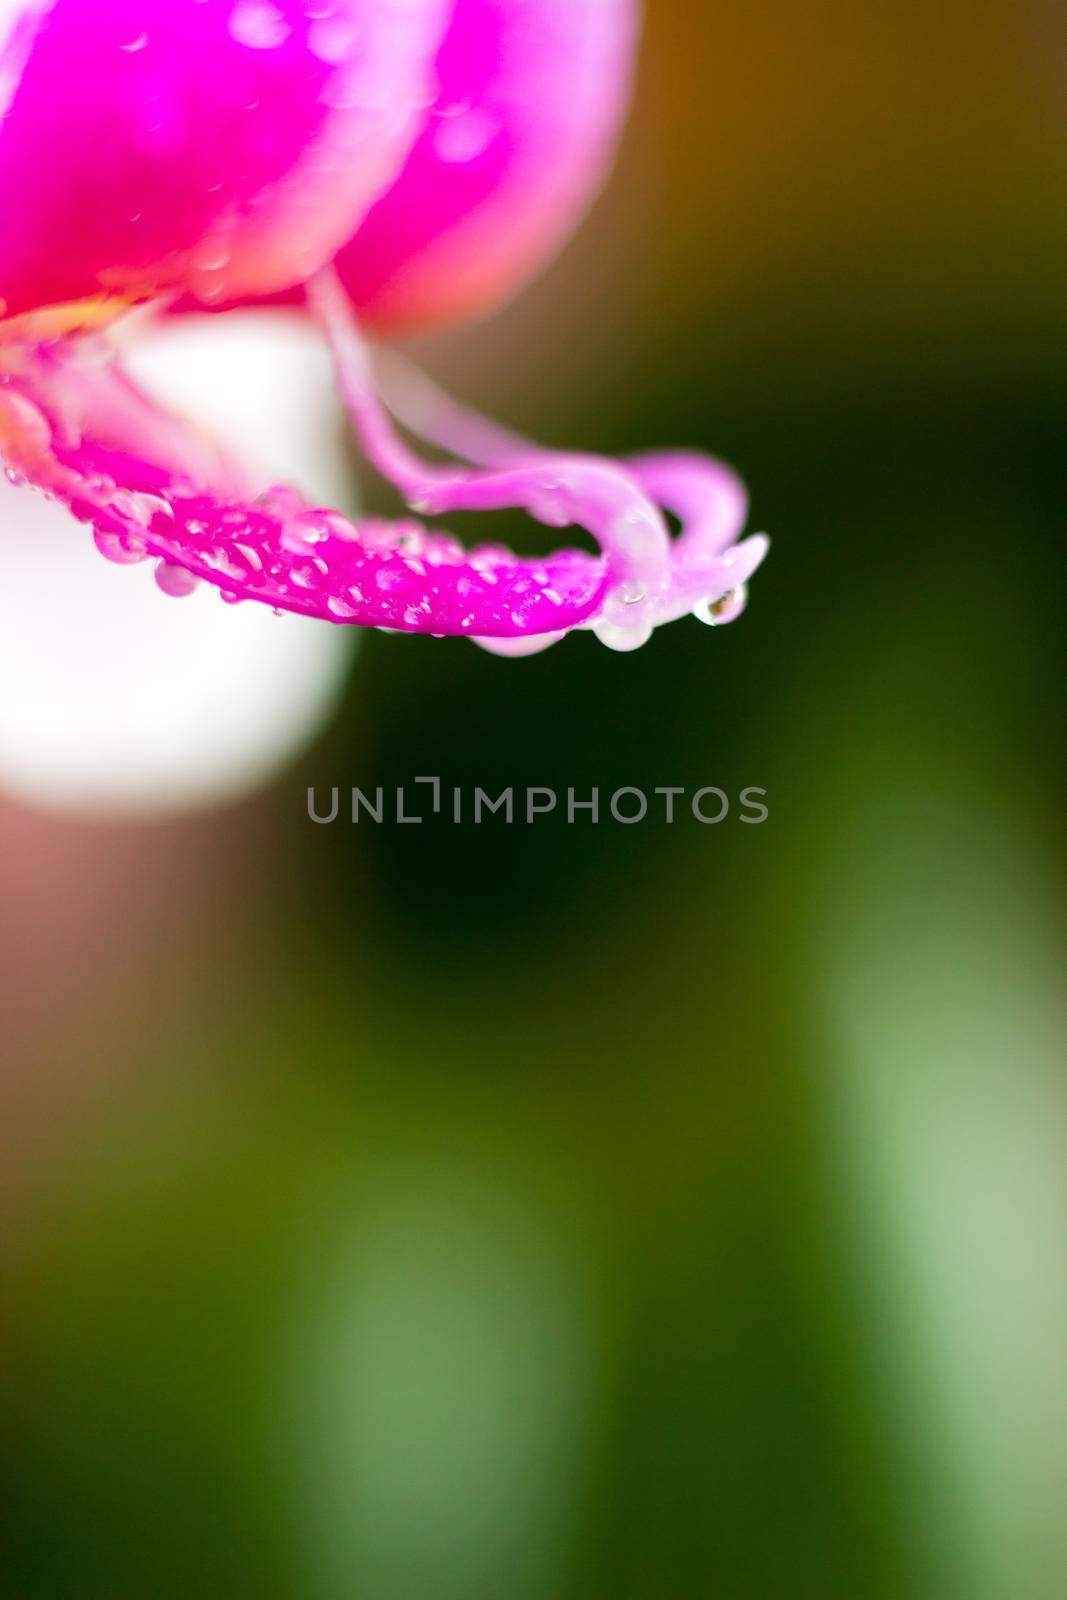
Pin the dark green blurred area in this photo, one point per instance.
(552, 1212)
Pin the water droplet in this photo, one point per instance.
(308, 574)
(310, 528)
(331, 38)
(140, 509)
(620, 638)
(258, 24)
(388, 578)
(228, 562)
(212, 256)
(550, 505)
(714, 614)
(174, 580)
(124, 549)
(464, 138)
(252, 557)
(282, 500)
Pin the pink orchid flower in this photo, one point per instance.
(392, 163)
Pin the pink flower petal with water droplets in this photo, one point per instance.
(652, 578)
(76, 429)
(119, 702)
(225, 149)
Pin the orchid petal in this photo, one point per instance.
(77, 429)
(531, 102)
(651, 578)
(224, 149)
(706, 495)
(121, 702)
(72, 424)
(556, 488)
(260, 382)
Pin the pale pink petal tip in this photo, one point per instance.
(72, 425)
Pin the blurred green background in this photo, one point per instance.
(571, 1213)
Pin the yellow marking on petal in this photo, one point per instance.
(54, 322)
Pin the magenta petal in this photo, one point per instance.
(706, 496)
(652, 579)
(556, 488)
(708, 499)
(150, 488)
(531, 102)
(223, 147)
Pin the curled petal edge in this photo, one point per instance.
(74, 426)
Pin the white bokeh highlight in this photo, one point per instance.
(118, 700)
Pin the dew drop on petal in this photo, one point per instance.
(141, 509)
(516, 649)
(310, 528)
(308, 574)
(212, 256)
(124, 549)
(331, 38)
(464, 138)
(620, 638)
(715, 613)
(174, 580)
(259, 25)
(228, 562)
